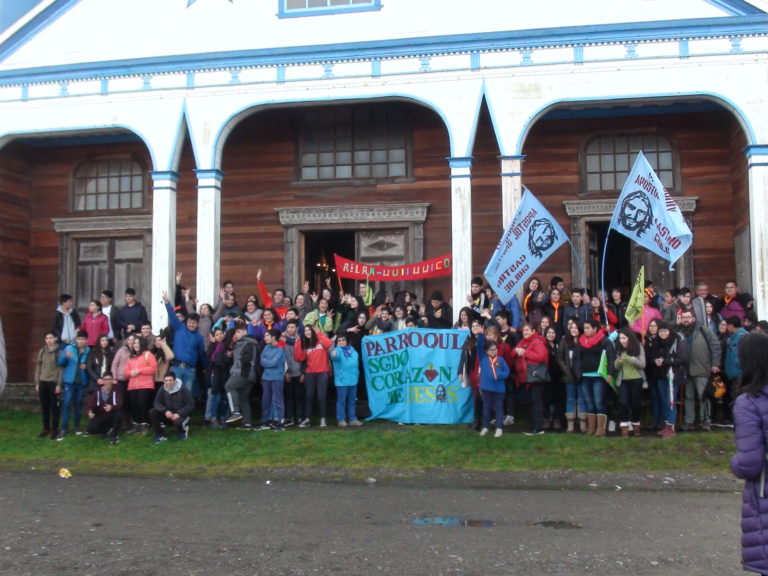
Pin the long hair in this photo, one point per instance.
(633, 346)
(311, 342)
(753, 358)
(142, 346)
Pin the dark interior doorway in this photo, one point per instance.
(319, 248)
(618, 259)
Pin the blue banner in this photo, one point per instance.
(412, 377)
(527, 242)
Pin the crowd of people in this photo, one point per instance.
(575, 359)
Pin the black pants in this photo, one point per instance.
(49, 405)
(294, 398)
(158, 419)
(141, 401)
(537, 405)
(629, 397)
(103, 423)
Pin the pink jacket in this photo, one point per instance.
(147, 366)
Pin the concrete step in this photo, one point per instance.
(19, 397)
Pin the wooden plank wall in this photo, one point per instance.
(259, 166)
(15, 296)
(712, 168)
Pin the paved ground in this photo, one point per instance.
(106, 525)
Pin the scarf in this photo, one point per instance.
(586, 342)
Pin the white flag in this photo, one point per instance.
(529, 239)
(647, 214)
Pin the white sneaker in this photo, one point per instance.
(484, 431)
(323, 423)
(509, 420)
(498, 433)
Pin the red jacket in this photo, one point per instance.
(317, 358)
(535, 352)
(95, 326)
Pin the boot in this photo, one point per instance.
(624, 430)
(602, 420)
(582, 423)
(636, 428)
(571, 419)
(591, 424)
(669, 431)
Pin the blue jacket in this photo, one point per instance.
(273, 362)
(70, 365)
(492, 378)
(188, 347)
(750, 416)
(732, 365)
(346, 370)
(515, 313)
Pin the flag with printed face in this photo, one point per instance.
(647, 214)
(637, 300)
(527, 242)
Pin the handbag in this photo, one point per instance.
(537, 373)
(715, 387)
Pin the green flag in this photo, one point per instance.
(635, 304)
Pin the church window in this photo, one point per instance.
(354, 143)
(607, 160)
(109, 184)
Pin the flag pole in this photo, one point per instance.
(579, 263)
(602, 274)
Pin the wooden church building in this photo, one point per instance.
(217, 137)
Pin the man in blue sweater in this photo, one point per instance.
(272, 381)
(188, 346)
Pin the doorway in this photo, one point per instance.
(319, 264)
(618, 259)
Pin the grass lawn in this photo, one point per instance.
(375, 448)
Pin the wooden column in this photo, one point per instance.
(163, 242)
(208, 233)
(461, 230)
(757, 165)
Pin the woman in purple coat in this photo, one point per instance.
(750, 415)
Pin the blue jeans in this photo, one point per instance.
(215, 406)
(493, 401)
(668, 405)
(72, 394)
(593, 392)
(272, 403)
(573, 400)
(346, 396)
(186, 375)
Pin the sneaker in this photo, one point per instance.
(305, 423)
(509, 420)
(534, 432)
(278, 428)
(263, 427)
(323, 423)
(687, 428)
(498, 433)
(78, 432)
(234, 417)
(706, 427)
(61, 436)
(54, 435)
(288, 422)
(493, 421)
(115, 440)
(356, 422)
(246, 427)
(43, 435)
(343, 423)
(160, 439)
(134, 428)
(484, 431)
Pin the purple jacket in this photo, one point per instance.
(750, 415)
